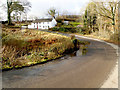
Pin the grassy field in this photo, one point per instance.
(75, 23)
(28, 47)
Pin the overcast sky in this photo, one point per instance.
(40, 7)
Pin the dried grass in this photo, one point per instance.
(31, 47)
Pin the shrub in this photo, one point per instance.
(72, 36)
(55, 29)
(62, 29)
(82, 30)
(115, 36)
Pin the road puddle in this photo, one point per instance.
(80, 52)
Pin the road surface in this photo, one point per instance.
(80, 71)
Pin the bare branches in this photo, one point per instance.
(105, 15)
(107, 9)
(52, 12)
(17, 6)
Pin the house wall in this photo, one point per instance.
(66, 22)
(43, 25)
(53, 23)
(32, 26)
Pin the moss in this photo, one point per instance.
(6, 67)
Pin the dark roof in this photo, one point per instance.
(23, 21)
(65, 19)
(3, 22)
(43, 20)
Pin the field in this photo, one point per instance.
(75, 23)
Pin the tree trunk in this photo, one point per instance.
(100, 26)
(104, 32)
(8, 12)
(9, 18)
(113, 20)
(113, 28)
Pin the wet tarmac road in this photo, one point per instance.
(81, 71)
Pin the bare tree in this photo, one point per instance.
(16, 6)
(52, 12)
(107, 10)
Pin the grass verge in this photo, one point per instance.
(29, 47)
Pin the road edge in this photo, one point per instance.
(112, 79)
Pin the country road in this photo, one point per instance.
(80, 71)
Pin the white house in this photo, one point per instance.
(43, 23)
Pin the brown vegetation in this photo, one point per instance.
(28, 47)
